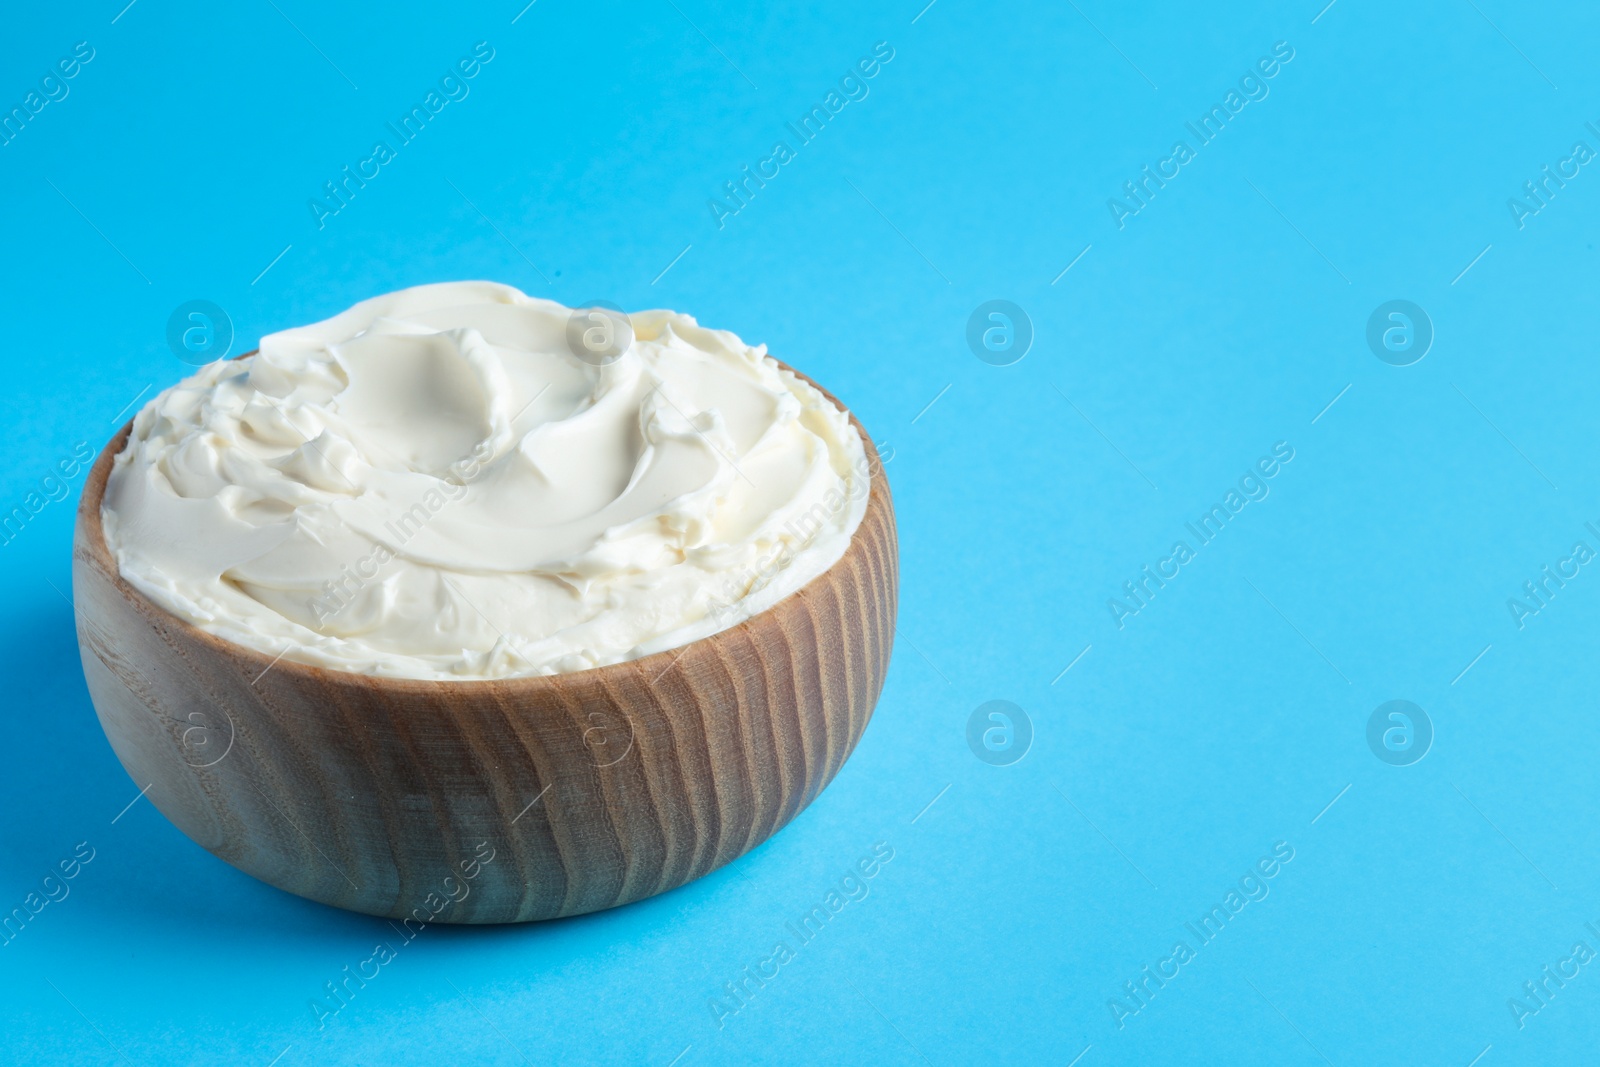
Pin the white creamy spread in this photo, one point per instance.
(433, 484)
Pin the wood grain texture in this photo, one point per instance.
(587, 790)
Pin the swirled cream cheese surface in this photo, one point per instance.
(440, 483)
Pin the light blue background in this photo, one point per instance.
(1224, 317)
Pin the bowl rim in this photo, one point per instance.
(91, 538)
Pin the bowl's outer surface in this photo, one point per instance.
(489, 801)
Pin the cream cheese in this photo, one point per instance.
(433, 484)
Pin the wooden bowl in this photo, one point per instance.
(489, 801)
